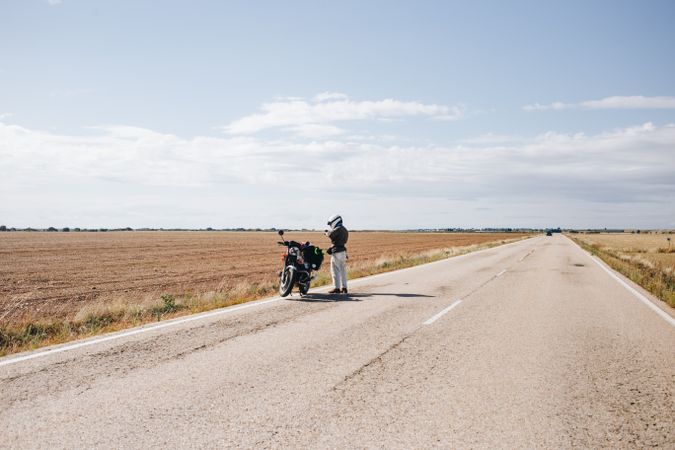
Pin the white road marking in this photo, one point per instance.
(526, 255)
(501, 273)
(442, 313)
(230, 309)
(145, 329)
(664, 315)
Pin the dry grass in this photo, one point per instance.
(631, 242)
(48, 298)
(646, 259)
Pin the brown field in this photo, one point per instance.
(645, 248)
(65, 276)
(647, 259)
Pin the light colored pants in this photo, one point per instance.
(338, 269)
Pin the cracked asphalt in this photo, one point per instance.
(545, 350)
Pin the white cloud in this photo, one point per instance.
(554, 105)
(315, 131)
(7, 115)
(616, 102)
(331, 107)
(491, 139)
(631, 102)
(149, 178)
(326, 96)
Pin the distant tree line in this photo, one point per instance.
(90, 230)
(416, 230)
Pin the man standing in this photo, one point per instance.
(338, 235)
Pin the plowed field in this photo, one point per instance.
(54, 275)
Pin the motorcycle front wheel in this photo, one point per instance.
(286, 282)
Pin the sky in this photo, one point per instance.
(396, 115)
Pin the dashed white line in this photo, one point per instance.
(446, 310)
(442, 313)
(526, 255)
(169, 323)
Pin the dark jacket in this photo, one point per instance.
(338, 238)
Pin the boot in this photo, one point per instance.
(344, 291)
(334, 291)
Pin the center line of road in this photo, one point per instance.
(526, 255)
(501, 273)
(442, 313)
(223, 311)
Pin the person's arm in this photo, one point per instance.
(330, 234)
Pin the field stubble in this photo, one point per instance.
(647, 259)
(56, 287)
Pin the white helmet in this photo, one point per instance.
(335, 220)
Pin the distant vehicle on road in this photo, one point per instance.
(549, 233)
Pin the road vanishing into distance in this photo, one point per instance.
(529, 345)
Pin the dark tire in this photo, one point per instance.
(286, 282)
(304, 287)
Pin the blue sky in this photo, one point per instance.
(395, 114)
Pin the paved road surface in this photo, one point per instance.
(542, 349)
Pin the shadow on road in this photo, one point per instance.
(375, 294)
(351, 297)
(317, 298)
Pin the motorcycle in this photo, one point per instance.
(299, 260)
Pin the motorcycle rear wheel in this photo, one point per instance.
(286, 282)
(304, 288)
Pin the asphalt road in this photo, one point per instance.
(529, 345)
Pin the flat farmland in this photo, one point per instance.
(58, 275)
(650, 249)
(646, 258)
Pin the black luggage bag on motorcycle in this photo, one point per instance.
(313, 255)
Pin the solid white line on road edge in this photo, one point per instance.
(145, 329)
(442, 313)
(664, 315)
(226, 310)
(501, 273)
